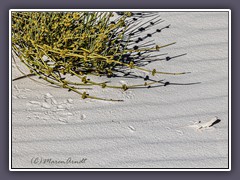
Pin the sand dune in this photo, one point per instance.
(164, 127)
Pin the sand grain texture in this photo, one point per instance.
(152, 128)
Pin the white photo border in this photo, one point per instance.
(123, 169)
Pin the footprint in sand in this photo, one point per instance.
(179, 132)
(19, 90)
(63, 121)
(52, 109)
(60, 108)
(129, 94)
(70, 101)
(45, 105)
(131, 128)
(33, 103)
(83, 116)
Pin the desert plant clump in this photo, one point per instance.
(56, 45)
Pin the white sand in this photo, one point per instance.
(152, 128)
